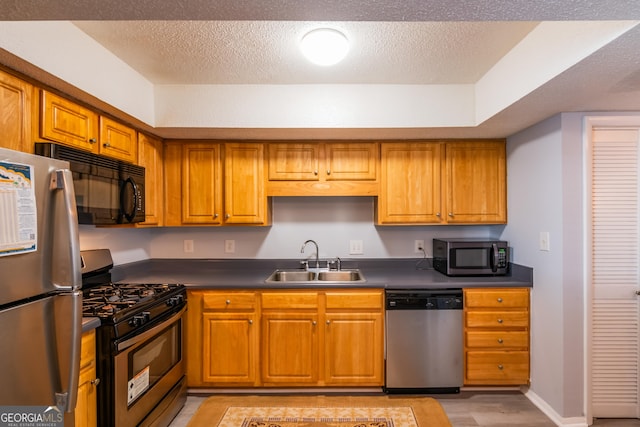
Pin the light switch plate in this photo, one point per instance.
(188, 246)
(544, 241)
(355, 247)
(229, 246)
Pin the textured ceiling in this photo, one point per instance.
(394, 42)
(267, 52)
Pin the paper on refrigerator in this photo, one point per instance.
(18, 209)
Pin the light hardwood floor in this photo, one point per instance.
(467, 409)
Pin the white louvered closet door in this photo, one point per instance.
(614, 273)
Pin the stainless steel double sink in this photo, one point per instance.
(324, 276)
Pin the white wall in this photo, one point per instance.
(545, 194)
(330, 221)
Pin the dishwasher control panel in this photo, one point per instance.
(424, 300)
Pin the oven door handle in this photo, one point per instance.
(149, 333)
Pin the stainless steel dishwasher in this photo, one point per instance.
(424, 341)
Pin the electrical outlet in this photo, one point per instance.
(188, 246)
(355, 247)
(544, 241)
(418, 245)
(229, 246)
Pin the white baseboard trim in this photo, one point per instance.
(551, 413)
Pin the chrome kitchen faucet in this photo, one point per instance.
(317, 251)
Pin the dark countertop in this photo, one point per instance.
(392, 273)
(90, 323)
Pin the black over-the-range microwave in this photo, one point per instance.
(108, 191)
(470, 257)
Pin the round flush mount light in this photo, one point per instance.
(324, 46)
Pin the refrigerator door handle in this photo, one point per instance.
(67, 397)
(62, 179)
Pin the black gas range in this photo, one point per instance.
(140, 345)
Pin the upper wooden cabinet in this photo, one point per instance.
(475, 182)
(117, 140)
(194, 184)
(245, 201)
(16, 111)
(322, 169)
(69, 123)
(150, 156)
(443, 183)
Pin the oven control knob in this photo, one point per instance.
(175, 301)
(139, 319)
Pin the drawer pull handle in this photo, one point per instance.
(499, 320)
(500, 367)
(500, 340)
(96, 381)
(499, 299)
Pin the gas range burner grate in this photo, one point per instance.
(108, 299)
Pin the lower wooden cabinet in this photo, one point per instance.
(85, 414)
(496, 336)
(287, 338)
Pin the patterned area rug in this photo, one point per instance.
(319, 411)
(312, 417)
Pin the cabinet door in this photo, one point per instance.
(230, 348)
(85, 413)
(290, 348)
(351, 161)
(245, 201)
(201, 184)
(293, 162)
(150, 156)
(69, 123)
(15, 113)
(117, 140)
(475, 184)
(410, 183)
(354, 349)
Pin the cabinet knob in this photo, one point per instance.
(314, 323)
(215, 215)
(500, 340)
(328, 172)
(228, 301)
(499, 320)
(106, 145)
(328, 322)
(251, 321)
(438, 214)
(96, 381)
(226, 216)
(315, 172)
(499, 299)
(451, 214)
(92, 141)
(500, 367)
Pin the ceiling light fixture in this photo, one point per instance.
(324, 46)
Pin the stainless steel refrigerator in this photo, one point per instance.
(40, 281)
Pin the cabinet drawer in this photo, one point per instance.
(290, 300)
(497, 319)
(229, 301)
(340, 300)
(497, 339)
(497, 367)
(497, 298)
